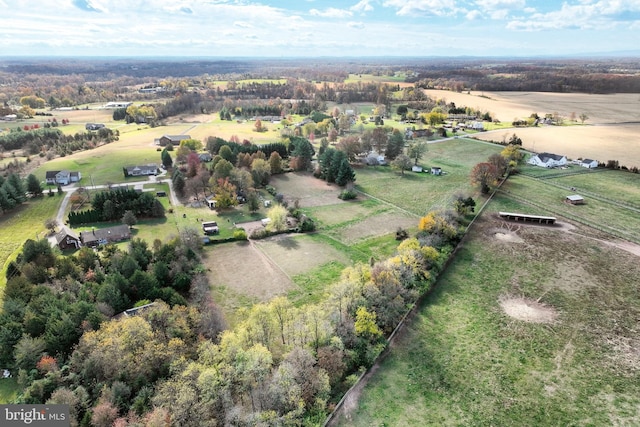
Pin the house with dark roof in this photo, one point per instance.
(67, 239)
(103, 236)
(63, 177)
(171, 139)
(205, 157)
(141, 170)
(588, 163)
(94, 126)
(575, 199)
(548, 160)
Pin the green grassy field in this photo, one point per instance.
(368, 78)
(423, 192)
(25, 222)
(547, 199)
(473, 355)
(8, 390)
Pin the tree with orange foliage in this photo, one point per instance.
(485, 175)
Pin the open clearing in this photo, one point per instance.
(242, 274)
(234, 266)
(377, 225)
(298, 254)
(306, 189)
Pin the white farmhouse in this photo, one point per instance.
(548, 160)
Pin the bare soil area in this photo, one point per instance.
(507, 106)
(297, 254)
(234, 266)
(377, 225)
(307, 190)
(527, 310)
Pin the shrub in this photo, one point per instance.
(307, 225)
(240, 234)
(271, 190)
(347, 195)
(259, 233)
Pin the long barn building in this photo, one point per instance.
(536, 219)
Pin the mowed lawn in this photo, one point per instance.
(462, 360)
(419, 193)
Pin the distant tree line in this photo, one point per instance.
(550, 76)
(42, 140)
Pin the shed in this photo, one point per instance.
(436, 170)
(416, 168)
(575, 199)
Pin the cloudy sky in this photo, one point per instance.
(311, 28)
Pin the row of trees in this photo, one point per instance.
(52, 139)
(112, 205)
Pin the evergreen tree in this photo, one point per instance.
(33, 185)
(346, 173)
(167, 162)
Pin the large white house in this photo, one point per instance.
(63, 177)
(548, 160)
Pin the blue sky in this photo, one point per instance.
(311, 28)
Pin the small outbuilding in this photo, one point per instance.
(416, 168)
(575, 199)
(436, 171)
(589, 164)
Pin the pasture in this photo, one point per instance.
(600, 211)
(529, 325)
(419, 193)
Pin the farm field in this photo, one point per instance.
(529, 325)
(607, 134)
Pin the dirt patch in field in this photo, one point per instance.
(307, 190)
(506, 235)
(245, 269)
(626, 351)
(376, 225)
(527, 310)
(297, 254)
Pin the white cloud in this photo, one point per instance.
(500, 4)
(356, 25)
(422, 7)
(473, 15)
(362, 6)
(586, 15)
(331, 12)
(242, 24)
